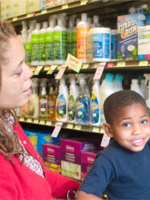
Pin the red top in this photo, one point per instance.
(19, 182)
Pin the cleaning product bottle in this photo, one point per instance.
(35, 46)
(95, 105)
(60, 41)
(42, 57)
(82, 31)
(135, 87)
(49, 40)
(62, 101)
(73, 93)
(52, 104)
(24, 110)
(24, 33)
(74, 39)
(147, 78)
(43, 99)
(89, 20)
(90, 45)
(82, 104)
(69, 34)
(117, 83)
(28, 47)
(96, 21)
(106, 89)
(33, 109)
(144, 89)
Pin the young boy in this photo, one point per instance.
(123, 168)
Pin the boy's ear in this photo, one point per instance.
(107, 129)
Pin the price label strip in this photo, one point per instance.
(70, 126)
(95, 130)
(37, 70)
(121, 64)
(105, 140)
(110, 65)
(14, 19)
(99, 71)
(33, 68)
(84, 2)
(48, 123)
(43, 11)
(29, 120)
(57, 129)
(77, 127)
(42, 122)
(61, 72)
(52, 68)
(143, 63)
(21, 119)
(85, 66)
(73, 63)
(65, 6)
(35, 121)
(46, 68)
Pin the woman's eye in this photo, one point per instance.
(126, 125)
(143, 121)
(18, 73)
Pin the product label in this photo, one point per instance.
(101, 45)
(49, 46)
(51, 107)
(31, 107)
(94, 109)
(82, 42)
(42, 56)
(90, 48)
(43, 107)
(61, 107)
(35, 48)
(69, 43)
(71, 108)
(74, 44)
(113, 46)
(60, 45)
(28, 49)
(24, 109)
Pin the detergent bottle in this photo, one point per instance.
(74, 39)
(117, 83)
(70, 33)
(52, 104)
(43, 99)
(135, 87)
(24, 33)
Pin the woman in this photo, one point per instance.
(22, 173)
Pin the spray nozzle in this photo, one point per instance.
(72, 20)
(95, 19)
(45, 25)
(61, 18)
(52, 20)
(81, 78)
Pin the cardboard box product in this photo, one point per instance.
(52, 156)
(71, 155)
(144, 9)
(128, 35)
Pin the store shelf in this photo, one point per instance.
(46, 122)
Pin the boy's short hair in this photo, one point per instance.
(118, 100)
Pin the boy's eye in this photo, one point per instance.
(143, 121)
(126, 125)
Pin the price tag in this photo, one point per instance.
(70, 126)
(95, 65)
(121, 64)
(99, 71)
(102, 131)
(46, 68)
(14, 19)
(73, 63)
(59, 67)
(84, 2)
(48, 123)
(33, 68)
(43, 11)
(42, 122)
(85, 66)
(143, 63)
(29, 120)
(36, 121)
(37, 70)
(110, 65)
(21, 119)
(29, 15)
(61, 72)
(65, 6)
(77, 127)
(95, 130)
(57, 129)
(105, 140)
(52, 68)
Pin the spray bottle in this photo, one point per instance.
(33, 109)
(106, 89)
(42, 57)
(70, 33)
(28, 47)
(95, 104)
(35, 46)
(135, 87)
(117, 83)
(82, 31)
(24, 33)
(73, 93)
(49, 40)
(96, 21)
(74, 39)
(62, 101)
(60, 41)
(43, 111)
(144, 89)
(89, 20)
(82, 104)
(52, 104)
(147, 78)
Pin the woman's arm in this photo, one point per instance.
(85, 196)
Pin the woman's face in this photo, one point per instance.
(16, 82)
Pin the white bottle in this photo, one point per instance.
(73, 93)
(49, 40)
(35, 46)
(33, 107)
(60, 41)
(42, 49)
(95, 104)
(117, 83)
(144, 89)
(89, 20)
(96, 21)
(106, 89)
(74, 39)
(24, 33)
(135, 87)
(62, 101)
(69, 33)
(82, 31)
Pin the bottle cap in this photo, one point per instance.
(109, 78)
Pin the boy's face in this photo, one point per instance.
(130, 128)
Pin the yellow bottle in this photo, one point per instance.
(52, 104)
